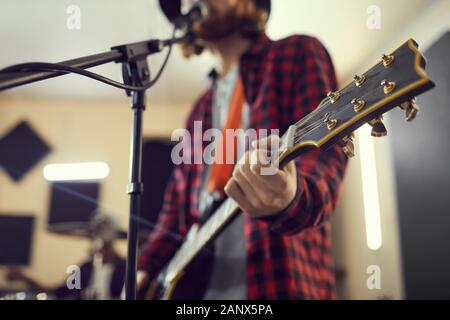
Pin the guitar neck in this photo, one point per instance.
(198, 239)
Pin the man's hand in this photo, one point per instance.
(256, 191)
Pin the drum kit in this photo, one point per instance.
(100, 229)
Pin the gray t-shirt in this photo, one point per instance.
(228, 279)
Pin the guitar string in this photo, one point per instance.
(300, 134)
(306, 130)
(326, 100)
(313, 125)
(301, 121)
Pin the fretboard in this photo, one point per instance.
(198, 241)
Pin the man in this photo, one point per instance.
(280, 247)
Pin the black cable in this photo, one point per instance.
(163, 66)
(56, 67)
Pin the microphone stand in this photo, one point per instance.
(136, 72)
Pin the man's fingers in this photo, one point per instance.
(233, 190)
(268, 143)
(258, 186)
(264, 189)
(246, 186)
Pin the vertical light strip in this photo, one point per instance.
(370, 188)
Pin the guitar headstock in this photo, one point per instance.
(395, 81)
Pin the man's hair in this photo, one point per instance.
(252, 23)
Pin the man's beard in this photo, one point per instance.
(218, 26)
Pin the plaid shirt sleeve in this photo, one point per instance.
(164, 239)
(319, 173)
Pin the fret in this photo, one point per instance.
(216, 223)
(203, 235)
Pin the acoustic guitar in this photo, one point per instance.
(393, 82)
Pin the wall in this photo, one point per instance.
(350, 249)
(421, 152)
(349, 245)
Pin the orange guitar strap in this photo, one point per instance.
(221, 171)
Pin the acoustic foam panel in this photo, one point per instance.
(156, 170)
(16, 234)
(72, 202)
(20, 150)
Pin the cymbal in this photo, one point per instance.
(79, 229)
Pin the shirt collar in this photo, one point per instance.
(258, 46)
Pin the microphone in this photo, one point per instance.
(172, 10)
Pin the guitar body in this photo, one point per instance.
(191, 284)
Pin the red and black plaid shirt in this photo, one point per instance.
(288, 256)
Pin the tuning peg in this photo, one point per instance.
(378, 128)
(331, 124)
(358, 104)
(411, 109)
(333, 96)
(359, 80)
(347, 146)
(351, 136)
(388, 86)
(387, 60)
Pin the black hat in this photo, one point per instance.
(264, 4)
(172, 8)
